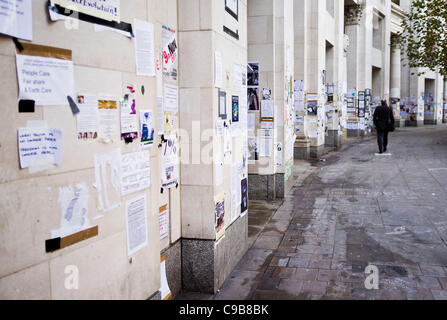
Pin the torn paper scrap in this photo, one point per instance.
(74, 210)
(108, 179)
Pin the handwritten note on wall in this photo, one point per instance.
(39, 144)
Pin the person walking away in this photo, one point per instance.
(384, 122)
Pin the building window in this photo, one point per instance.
(330, 7)
(377, 32)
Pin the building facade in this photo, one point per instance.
(196, 107)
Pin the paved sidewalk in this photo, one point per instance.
(349, 211)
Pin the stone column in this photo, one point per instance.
(395, 79)
(212, 244)
(302, 143)
(352, 28)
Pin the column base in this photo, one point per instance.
(261, 187)
(301, 149)
(430, 122)
(411, 123)
(317, 152)
(399, 123)
(174, 267)
(353, 133)
(206, 264)
(333, 139)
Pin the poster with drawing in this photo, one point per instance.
(147, 130)
(169, 162)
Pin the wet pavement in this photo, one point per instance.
(351, 210)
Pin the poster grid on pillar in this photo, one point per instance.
(253, 94)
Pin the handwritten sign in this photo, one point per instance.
(38, 145)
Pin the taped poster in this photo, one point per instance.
(235, 109)
(218, 69)
(244, 196)
(163, 219)
(253, 148)
(108, 120)
(171, 98)
(160, 116)
(39, 146)
(147, 130)
(45, 75)
(219, 215)
(105, 9)
(144, 48)
(164, 286)
(266, 145)
(235, 191)
(108, 180)
(129, 126)
(135, 172)
(170, 54)
(74, 210)
(88, 117)
(169, 162)
(16, 19)
(136, 222)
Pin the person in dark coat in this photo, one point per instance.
(383, 120)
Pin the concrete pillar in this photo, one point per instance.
(300, 8)
(353, 18)
(210, 249)
(271, 44)
(395, 81)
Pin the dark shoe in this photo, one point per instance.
(384, 150)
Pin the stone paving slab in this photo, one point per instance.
(353, 210)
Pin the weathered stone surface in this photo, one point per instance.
(353, 210)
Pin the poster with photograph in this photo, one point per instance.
(219, 215)
(147, 130)
(170, 54)
(235, 108)
(244, 195)
(267, 94)
(253, 148)
(108, 120)
(312, 108)
(253, 99)
(129, 123)
(88, 117)
(253, 74)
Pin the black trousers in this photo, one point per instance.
(382, 140)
